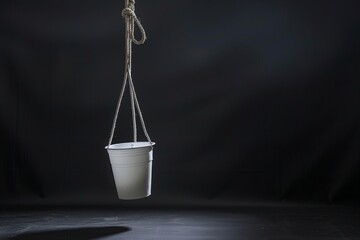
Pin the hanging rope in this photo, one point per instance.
(130, 20)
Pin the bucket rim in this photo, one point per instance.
(113, 147)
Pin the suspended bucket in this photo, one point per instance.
(131, 162)
(132, 167)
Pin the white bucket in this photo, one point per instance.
(132, 166)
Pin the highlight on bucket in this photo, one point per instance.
(131, 162)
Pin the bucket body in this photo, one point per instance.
(132, 167)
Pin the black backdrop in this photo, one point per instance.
(246, 100)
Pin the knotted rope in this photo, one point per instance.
(130, 19)
(129, 14)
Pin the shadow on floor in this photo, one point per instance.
(85, 233)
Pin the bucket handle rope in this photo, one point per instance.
(130, 20)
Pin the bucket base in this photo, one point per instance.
(134, 198)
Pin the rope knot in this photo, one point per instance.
(130, 17)
(127, 12)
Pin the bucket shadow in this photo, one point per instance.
(85, 233)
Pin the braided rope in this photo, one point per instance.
(130, 20)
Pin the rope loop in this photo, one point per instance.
(129, 14)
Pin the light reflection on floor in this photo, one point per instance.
(209, 224)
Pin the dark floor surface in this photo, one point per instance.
(248, 223)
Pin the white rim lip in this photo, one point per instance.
(114, 147)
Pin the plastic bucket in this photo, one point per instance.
(132, 166)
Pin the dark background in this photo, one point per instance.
(246, 100)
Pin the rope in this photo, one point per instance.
(130, 19)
